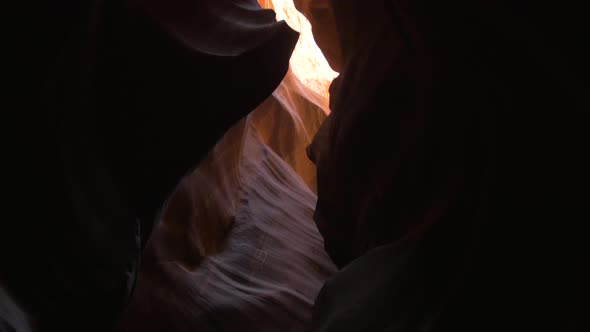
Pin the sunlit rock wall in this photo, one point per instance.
(307, 62)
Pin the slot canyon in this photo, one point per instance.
(295, 165)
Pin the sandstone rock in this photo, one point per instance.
(123, 99)
(237, 248)
(454, 151)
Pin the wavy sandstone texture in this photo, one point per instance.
(124, 99)
(237, 248)
(449, 171)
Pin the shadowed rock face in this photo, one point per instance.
(448, 172)
(237, 248)
(12, 318)
(122, 99)
(449, 168)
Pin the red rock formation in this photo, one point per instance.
(448, 168)
(448, 173)
(237, 247)
(320, 13)
(123, 98)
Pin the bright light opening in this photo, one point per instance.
(307, 62)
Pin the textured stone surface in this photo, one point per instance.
(123, 98)
(455, 145)
(237, 248)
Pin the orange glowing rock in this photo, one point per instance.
(307, 62)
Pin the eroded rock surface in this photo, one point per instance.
(237, 248)
(123, 98)
(449, 168)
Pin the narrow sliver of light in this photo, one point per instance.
(307, 62)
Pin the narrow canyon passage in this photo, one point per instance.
(237, 248)
(305, 165)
